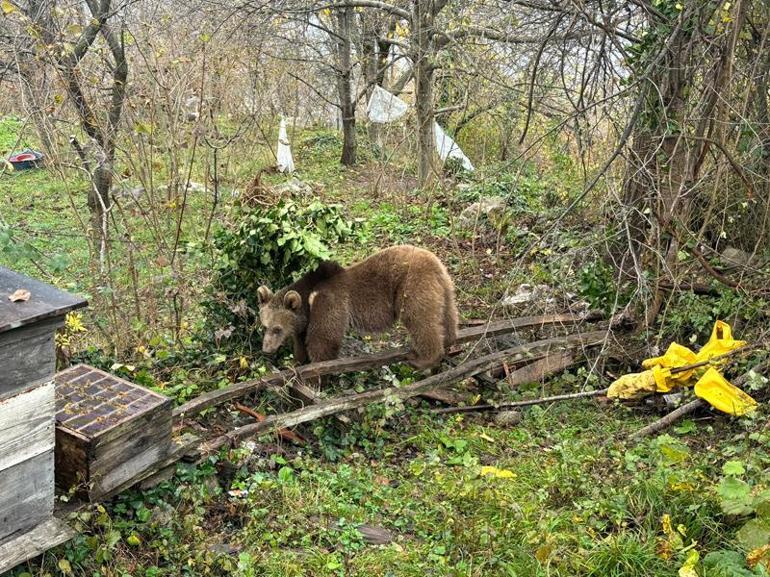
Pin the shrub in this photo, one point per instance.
(268, 245)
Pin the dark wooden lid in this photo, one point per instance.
(45, 301)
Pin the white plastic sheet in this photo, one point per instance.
(285, 160)
(385, 107)
(448, 148)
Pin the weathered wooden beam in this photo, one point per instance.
(368, 362)
(540, 369)
(50, 533)
(347, 402)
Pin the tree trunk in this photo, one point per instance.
(344, 87)
(422, 21)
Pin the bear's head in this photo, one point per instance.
(280, 315)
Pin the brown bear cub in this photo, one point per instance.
(403, 283)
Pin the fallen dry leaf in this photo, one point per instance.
(21, 295)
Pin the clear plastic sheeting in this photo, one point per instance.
(385, 107)
(285, 160)
(448, 148)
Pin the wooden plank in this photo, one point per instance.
(178, 448)
(537, 371)
(27, 357)
(27, 494)
(336, 366)
(36, 541)
(26, 425)
(347, 402)
(73, 455)
(108, 481)
(45, 301)
(155, 431)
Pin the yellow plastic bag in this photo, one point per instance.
(721, 342)
(638, 385)
(717, 391)
(676, 356)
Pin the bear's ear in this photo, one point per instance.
(292, 300)
(265, 294)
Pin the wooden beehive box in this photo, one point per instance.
(27, 412)
(108, 431)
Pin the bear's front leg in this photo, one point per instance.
(300, 350)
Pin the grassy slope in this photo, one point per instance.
(583, 501)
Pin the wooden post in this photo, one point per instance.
(27, 412)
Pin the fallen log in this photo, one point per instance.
(368, 362)
(348, 402)
(527, 403)
(535, 370)
(540, 369)
(285, 434)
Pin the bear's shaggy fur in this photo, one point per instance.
(403, 283)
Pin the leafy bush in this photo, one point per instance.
(272, 246)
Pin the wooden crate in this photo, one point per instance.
(109, 431)
(27, 413)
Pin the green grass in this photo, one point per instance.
(583, 502)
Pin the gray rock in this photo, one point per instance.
(135, 192)
(508, 418)
(375, 535)
(736, 257)
(489, 207)
(293, 187)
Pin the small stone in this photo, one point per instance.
(486, 207)
(735, 257)
(508, 418)
(375, 535)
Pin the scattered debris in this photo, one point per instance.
(337, 405)
(27, 159)
(293, 187)
(527, 293)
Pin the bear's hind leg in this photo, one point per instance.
(450, 318)
(424, 319)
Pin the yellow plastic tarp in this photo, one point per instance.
(718, 392)
(721, 342)
(661, 375)
(638, 385)
(676, 356)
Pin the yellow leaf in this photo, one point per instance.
(21, 295)
(498, 473)
(243, 362)
(486, 437)
(679, 6)
(7, 7)
(65, 567)
(688, 569)
(543, 553)
(759, 555)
